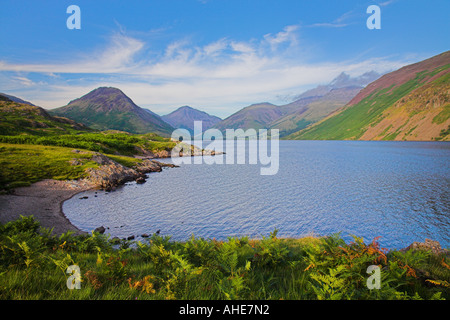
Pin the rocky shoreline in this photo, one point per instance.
(43, 200)
(111, 174)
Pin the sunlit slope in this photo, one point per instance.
(411, 103)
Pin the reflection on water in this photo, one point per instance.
(396, 190)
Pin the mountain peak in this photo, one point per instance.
(109, 108)
(184, 118)
(343, 80)
(105, 91)
(186, 107)
(106, 99)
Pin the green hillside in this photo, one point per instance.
(381, 114)
(110, 109)
(20, 118)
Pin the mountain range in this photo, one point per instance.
(308, 107)
(412, 103)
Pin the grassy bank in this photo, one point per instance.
(23, 164)
(33, 265)
(26, 158)
(104, 142)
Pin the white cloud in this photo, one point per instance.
(219, 77)
(339, 22)
(215, 48)
(287, 35)
(23, 81)
(115, 58)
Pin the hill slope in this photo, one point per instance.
(15, 99)
(256, 116)
(312, 109)
(20, 118)
(411, 103)
(185, 116)
(109, 108)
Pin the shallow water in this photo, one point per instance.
(396, 190)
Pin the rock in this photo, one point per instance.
(75, 162)
(428, 245)
(111, 174)
(101, 159)
(100, 229)
(147, 166)
(145, 235)
(140, 180)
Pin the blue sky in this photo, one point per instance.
(215, 55)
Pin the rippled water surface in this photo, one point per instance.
(396, 190)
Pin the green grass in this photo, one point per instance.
(112, 143)
(125, 161)
(442, 116)
(25, 164)
(24, 124)
(33, 265)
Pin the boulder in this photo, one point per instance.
(100, 229)
(140, 180)
(428, 245)
(111, 174)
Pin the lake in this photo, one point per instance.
(396, 190)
